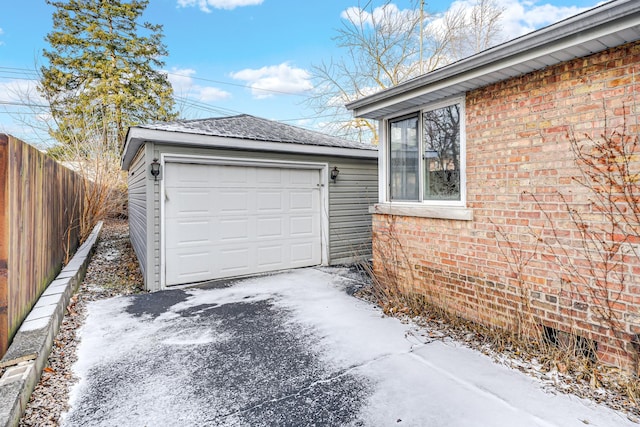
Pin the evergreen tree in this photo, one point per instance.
(103, 72)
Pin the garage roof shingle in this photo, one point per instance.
(242, 132)
(245, 126)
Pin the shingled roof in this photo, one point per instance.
(242, 132)
(245, 126)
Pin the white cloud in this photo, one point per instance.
(519, 17)
(20, 92)
(388, 14)
(184, 86)
(28, 117)
(209, 93)
(205, 5)
(522, 16)
(275, 78)
(180, 78)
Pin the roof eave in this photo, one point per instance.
(608, 19)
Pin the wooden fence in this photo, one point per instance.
(40, 207)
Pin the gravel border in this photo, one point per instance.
(112, 271)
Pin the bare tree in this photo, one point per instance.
(471, 30)
(380, 51)
(384, 46)
(84, 152)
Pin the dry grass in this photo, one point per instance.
(594, 270)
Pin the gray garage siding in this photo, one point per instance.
(137, 180)
(350, 206)
(349, 199)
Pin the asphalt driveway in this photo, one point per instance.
(292, 349)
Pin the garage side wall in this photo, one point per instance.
(355, 189)
(349, 220)
(138, 209)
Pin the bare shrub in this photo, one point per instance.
(597, 267)
(596, 246)
(98, 162)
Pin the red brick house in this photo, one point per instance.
(488, 200)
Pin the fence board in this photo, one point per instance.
(4, 238)
(40, 208)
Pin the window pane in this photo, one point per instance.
(403, 169)
(442, 153)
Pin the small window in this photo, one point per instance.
(442, 153)
(404, 165)
(426, 156)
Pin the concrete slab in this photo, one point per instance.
(293, 349)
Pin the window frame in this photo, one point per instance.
(386, 156)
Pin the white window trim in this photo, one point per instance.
(446, 209)
(421, 210)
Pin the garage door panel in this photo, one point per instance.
(189, 202)
(301, 226)
(302, 253)
(269, 177)
(303, 201)
(302, 177)
(190, 266)
(234, 260)
(269, 201)
(189, 176)
(190, 233)
(269, 228)
(270, 257)
(230, 176)
(232, 201)
(246, 220)
(233, 229)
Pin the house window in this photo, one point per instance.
(425, 152)
(441, 140)
(405, 161)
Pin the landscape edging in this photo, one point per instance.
(27, 355)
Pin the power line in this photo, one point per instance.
(237, 84)
(204, 106)
(34, 74)
(29, 70)
(23, 104)
(21, 113)
(188, 102)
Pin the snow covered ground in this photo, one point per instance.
(293, 349)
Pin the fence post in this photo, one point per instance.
(4, 242)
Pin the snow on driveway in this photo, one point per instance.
(293, 349)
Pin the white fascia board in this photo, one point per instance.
(128, 154)
(138, 136)
(596, 24)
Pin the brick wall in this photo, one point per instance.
(521, 261)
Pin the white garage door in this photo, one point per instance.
(224, 221)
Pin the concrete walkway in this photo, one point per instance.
(293, 349)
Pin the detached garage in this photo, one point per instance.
(227, 197)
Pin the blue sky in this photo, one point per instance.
(223, 52)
